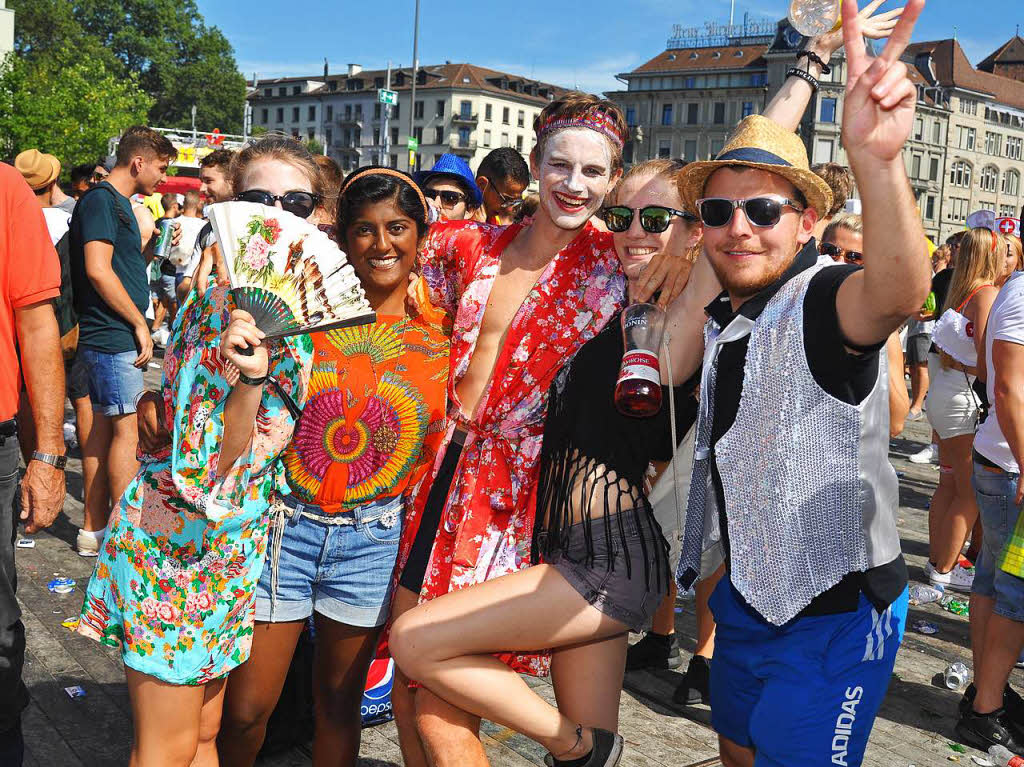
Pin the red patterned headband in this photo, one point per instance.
(594, 118)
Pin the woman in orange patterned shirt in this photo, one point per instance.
(369, 430)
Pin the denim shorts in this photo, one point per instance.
(995, 490)
(342, 571)
(115, 384)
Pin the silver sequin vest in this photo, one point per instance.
(808, 485)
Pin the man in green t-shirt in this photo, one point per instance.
(111, 291)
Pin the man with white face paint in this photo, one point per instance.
(525, 298)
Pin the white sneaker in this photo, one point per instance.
(929, 454)
(89, 542)
(915, 415)
(959, 578)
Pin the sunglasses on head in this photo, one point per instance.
(301, 204)
(448, 199)
(840, 254)
(654, 218)
(763, 212)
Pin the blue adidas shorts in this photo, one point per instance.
(806, 693)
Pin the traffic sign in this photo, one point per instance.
(412, 159)
(385, 96)
(414, 144)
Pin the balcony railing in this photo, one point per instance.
(464, 119)
(462, 147)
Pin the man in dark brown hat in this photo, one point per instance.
(812, 611)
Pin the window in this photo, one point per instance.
(719, 113)
(993, 143)
(439, 112)
(417, 133)
(1013, 147)
(464, 137)
(282, 91)
(359, 111)
(929, 207)
(519, 143)
(329, 137)
(716, 146)
(989, 178)
(309, 134)
(631, 116)
(664, 148)
(394, 112)
(521, 119)
(823, 150)
(933, 169)
(376, 137)
(915, 166)
(690, 82)
(918, 128)
(690, 149)
(311, 113)
(376, 111)
(268, 92)
(960, 174)
(280, 114)
(394, 136)
(417, 111)
(692, 114)
(965, 137)
(330, 112)
(1007, 211)
(357, 137)
(465, 109)
(394, 161)
(747, 109)
(828, 110)
(295, 114)
(504, 139)
(504, 117)
(348, 111)
(439, 134)
(346, 137)
(378, 82)
(666, 115)
(487, 112)
(958, 208)
(968, 106)
(487, 138)
(264, 115)
(1011, 183)
(937, 132)
(296, 90)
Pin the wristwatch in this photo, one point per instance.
(59, 461)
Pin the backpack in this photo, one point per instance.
(64, 304)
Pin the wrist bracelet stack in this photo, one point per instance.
(812, 56)
(243, 378)
(807, 78)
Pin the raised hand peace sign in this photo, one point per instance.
(878, 112)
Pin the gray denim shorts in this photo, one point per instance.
(630, 594)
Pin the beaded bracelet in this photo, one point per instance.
(243, 378)
(812, 56)
(807, 78)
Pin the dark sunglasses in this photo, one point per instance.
(762, 212)
(506, 201)
(302, 204)
(839, 254)
(448, 198)
(654, 218)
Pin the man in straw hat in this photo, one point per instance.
(813, 611)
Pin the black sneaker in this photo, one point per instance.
(695, 687)
(1013, 703)
(967, 701)
(607, 749)
(654, 651)
(982, 731)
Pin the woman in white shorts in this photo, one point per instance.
(953, 409)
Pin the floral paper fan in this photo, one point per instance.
(291, 277)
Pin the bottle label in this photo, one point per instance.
(640, 364)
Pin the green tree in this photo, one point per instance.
(180, 62)
(66, 104)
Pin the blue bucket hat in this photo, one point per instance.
(454, 166)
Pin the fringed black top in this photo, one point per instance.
(594, 460)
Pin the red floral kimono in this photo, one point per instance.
(487, 523)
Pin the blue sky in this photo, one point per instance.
(581, 44)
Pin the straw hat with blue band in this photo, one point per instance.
(759, 143)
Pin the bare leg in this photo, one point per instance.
(1003, 641)
(403, 700)
(705, 620)
(253, 690)
(962, 511)
(451, 736)
(343, 655)
(167, 719)
(918, 385)
(83, 418)
(446, 643)
(159, 313)
(977, 536)
(979, 615)
(95, 483)
(664, 620)
(121, 464)
(209, 725)
(584, 696)
(938, 508)
(733, 754)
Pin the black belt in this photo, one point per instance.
(8, 428)
(979, 458)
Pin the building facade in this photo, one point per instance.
(6, 30)
(964, 152)
(459, 108)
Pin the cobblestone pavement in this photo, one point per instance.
(915, 726)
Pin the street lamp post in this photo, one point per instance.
(415, 66)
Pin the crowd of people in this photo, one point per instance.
(452, 484)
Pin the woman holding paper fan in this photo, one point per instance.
(175, 581)
(369, 429)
